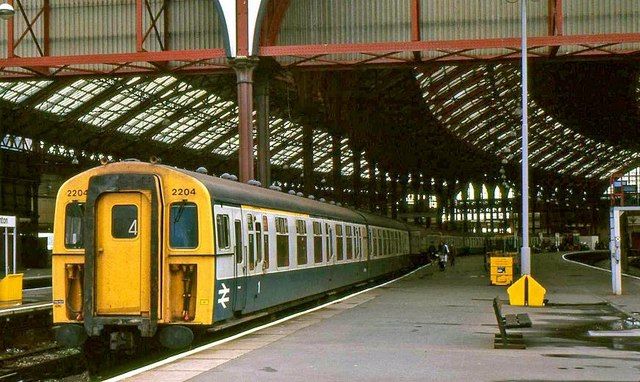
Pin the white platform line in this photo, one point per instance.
(250, 331)
(591, 266)
(28, 307)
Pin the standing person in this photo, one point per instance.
(444, 253)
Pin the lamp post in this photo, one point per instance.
(525, 254)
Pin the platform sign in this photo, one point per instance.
(616, 244)
(8, 238)
(7, 221)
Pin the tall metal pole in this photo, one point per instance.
(525, 254)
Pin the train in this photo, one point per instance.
(146, 250)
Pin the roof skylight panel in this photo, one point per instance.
(17, 92)
(285, 155)
(146, 120)
(228, 147)
(111, 109)
(178, 129)
(325, 166)
(207, 136)
(74, 95)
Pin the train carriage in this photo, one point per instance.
(143, 249)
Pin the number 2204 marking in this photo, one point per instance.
(183, 191)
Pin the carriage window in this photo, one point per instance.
(329, 242)
(258, 242)
(222, 226)
(73, 225)
(374, 242)
(265, 237)
(282, 242)
(183, 225)
(124, 221)
(251, 242)
(317, 242)
(349, 230)
(301, 241)
(339, 242)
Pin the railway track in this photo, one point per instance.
(45, 362)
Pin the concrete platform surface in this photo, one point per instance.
(434, 326)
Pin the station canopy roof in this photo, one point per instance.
(192, 120)
(432, 90)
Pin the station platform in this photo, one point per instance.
(36, 294)
(434, 325)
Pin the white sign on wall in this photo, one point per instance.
(8, 221)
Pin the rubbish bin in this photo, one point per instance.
(501, 270)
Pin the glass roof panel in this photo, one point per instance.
(228, 147)
(19, 91)
(130, 96)
(159, 112)
(74, 95)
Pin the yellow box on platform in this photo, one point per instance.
(501, 270)
(11, 287)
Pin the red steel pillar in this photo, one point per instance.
(244, 67)
(262, 116)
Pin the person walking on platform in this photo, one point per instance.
(443, 254)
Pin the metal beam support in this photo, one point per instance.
(372, 185)
(244, 75)
(336, 169)
(357, 169)
(307, 159)
(262, 117)
(242, 27)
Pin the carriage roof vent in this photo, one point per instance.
(131, 160)
(202, 170)
(300, 194)
(275, 188)
(311, 197)
(291, 192)
(234, 178)
(226, 175)
(339, 204)
(332, 202)
(253, 182)
(323, 200)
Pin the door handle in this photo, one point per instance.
(100, 251)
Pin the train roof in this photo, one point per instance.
(233, 192)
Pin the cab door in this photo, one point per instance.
(122, 248)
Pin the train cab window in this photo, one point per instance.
(301, 241)
(317, 242)
(124, 221)
(282, 242)
(339, 243)
(183, 225)
(380, 242)
(349, 231)
(223, 239)
(74, 215)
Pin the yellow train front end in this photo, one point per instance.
(133, 256)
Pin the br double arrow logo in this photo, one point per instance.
(224, 296)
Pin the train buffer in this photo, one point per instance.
(504, 340)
